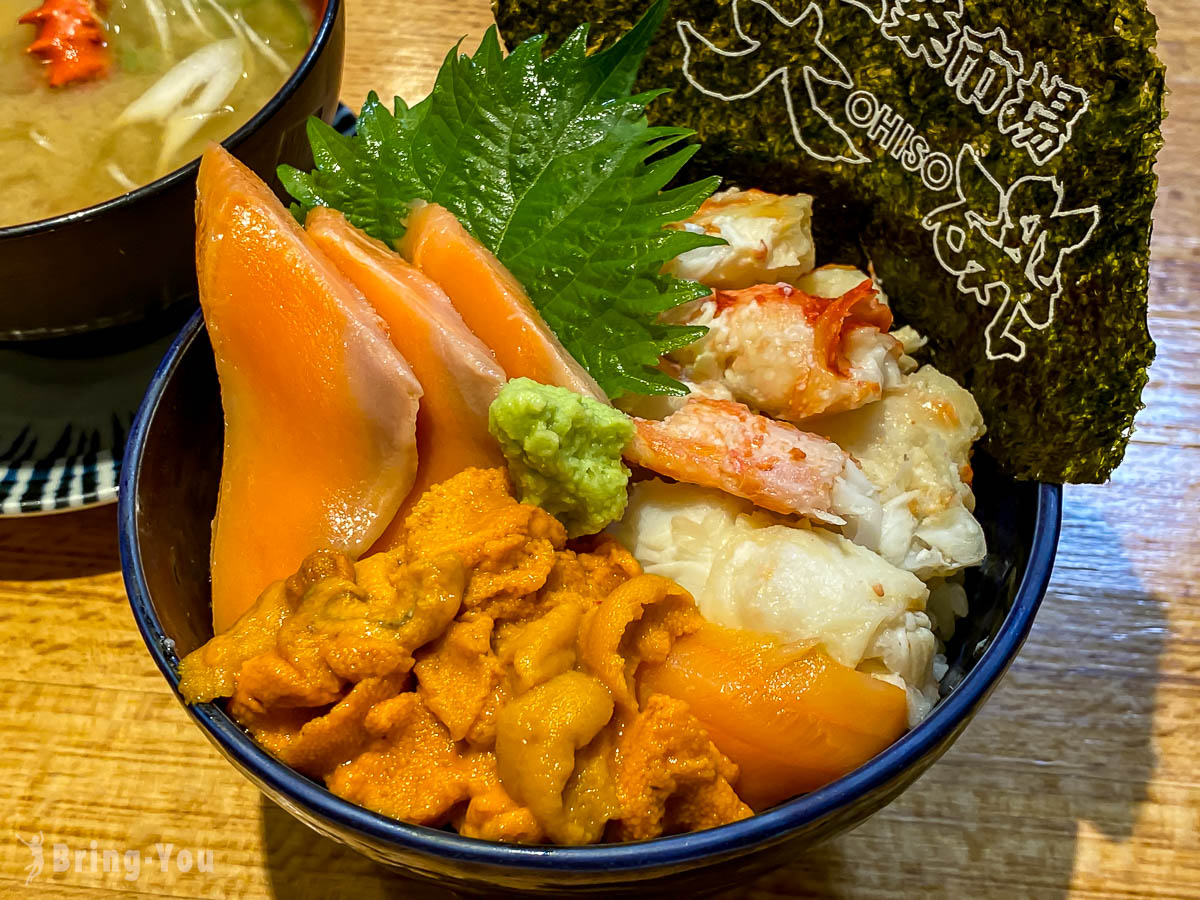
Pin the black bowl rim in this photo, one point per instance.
(676, 850)
(189, 169)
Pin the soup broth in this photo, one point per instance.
(183, 73)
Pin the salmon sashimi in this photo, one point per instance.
(788, 715)
(459, 374)
(320, 407)
(790, 354)
(775, 465)
(491, 301)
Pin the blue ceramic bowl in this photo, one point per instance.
(167, 497)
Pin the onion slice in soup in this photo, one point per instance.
(208, 76)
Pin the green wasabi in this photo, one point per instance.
(563, 452)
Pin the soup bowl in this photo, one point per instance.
(128, 258)
(167, 499)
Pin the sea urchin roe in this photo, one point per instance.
(413, 770)
(636, 623)
(458, 673)
(548, 725)
(670, 776)
(509, 548)
(481, 675)
(315, 746)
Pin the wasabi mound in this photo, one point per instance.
(563, 452)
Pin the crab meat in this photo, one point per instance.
(915, 447)
(722, 444)
(790, 354)
(768, 237)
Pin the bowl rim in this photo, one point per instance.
(189, 169)
(674, 850)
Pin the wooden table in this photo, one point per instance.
(1080, 778)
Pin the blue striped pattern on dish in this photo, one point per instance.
(77, 468)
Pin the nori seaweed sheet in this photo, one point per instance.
(1078, 208)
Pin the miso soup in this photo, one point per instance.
(180, 73)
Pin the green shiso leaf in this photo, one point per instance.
(1065, 411)
(549, 161)
(349, 175)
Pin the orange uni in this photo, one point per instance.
(320, 408)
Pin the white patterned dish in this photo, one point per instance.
(63, 423)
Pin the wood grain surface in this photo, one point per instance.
(1080, 778)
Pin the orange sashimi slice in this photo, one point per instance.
(789, 716)
(459, 374)
(320, 408)
(491, 301)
